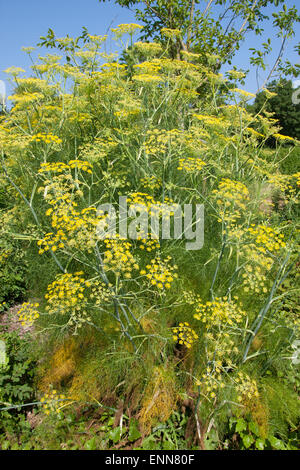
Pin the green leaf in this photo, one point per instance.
(254, 428)
(149, 443)
(241, 425)
(260, 444)
(248, 440)
(115, 434)
(276, 443)
(5, 445)
(167, 445)
(134, 433)
(91, 444)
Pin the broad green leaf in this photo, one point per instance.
(276, 443)
(260, 444)
(115, 434)
(91, 444)
(134, 433)
(254, 428)
(248, 440)
(241, 425)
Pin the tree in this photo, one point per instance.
(216, 27)
(287, 112)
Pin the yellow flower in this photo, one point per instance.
(184, 334)
(28, 313)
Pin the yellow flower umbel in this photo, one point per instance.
(213, 122)
(231, 197)
(118, 258)
(147, 78)
(148, 49)
(283, 138)
(282, 182)
(170, 33)
(100, 148)
(53, 402)
(267, 238)
(72, 228)
(122, 29)
(66, 295)
(46, 138)
(100, 292)
(4, 255)
(148, 244)
(151, 182)
(220, 348)
(218, 312)
(184, 334)
(246, 388)
(160, 273)
(258, 252)
(258, 264)
(191, 164)
(297, 176)
(245, 94)
(147, 203)
(211, 381)
(28, 313)
(159, 141)
(59, 167)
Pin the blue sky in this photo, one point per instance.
(24, 21)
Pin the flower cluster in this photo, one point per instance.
(244, 93)
(220, 347)
(253, 133)
(213, 121)
(218, 312)
(160, 273)
(147, 78)
(130, 28)
(4, 255)
(184, 334)
(246, 388)
(191, 164)
(28, 313)
(101, 146)
(59, 167)
(170, 33)
(254, 280)
(73, 228)
(283, 138)
(125, 113)
(231, 197)
(297, 176)
(118, 258)
(150, 205)
(112, 69)
(100, 292)
(47, 138)
(159, 140)
(148, 66)
(211, 381)
(148, 244)
(255, 277)
(148, 48)
(151, 182)
(52, 402)
(52, 241)
(283, 183)
(66, 295)
(267, 238)
(80, 225)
